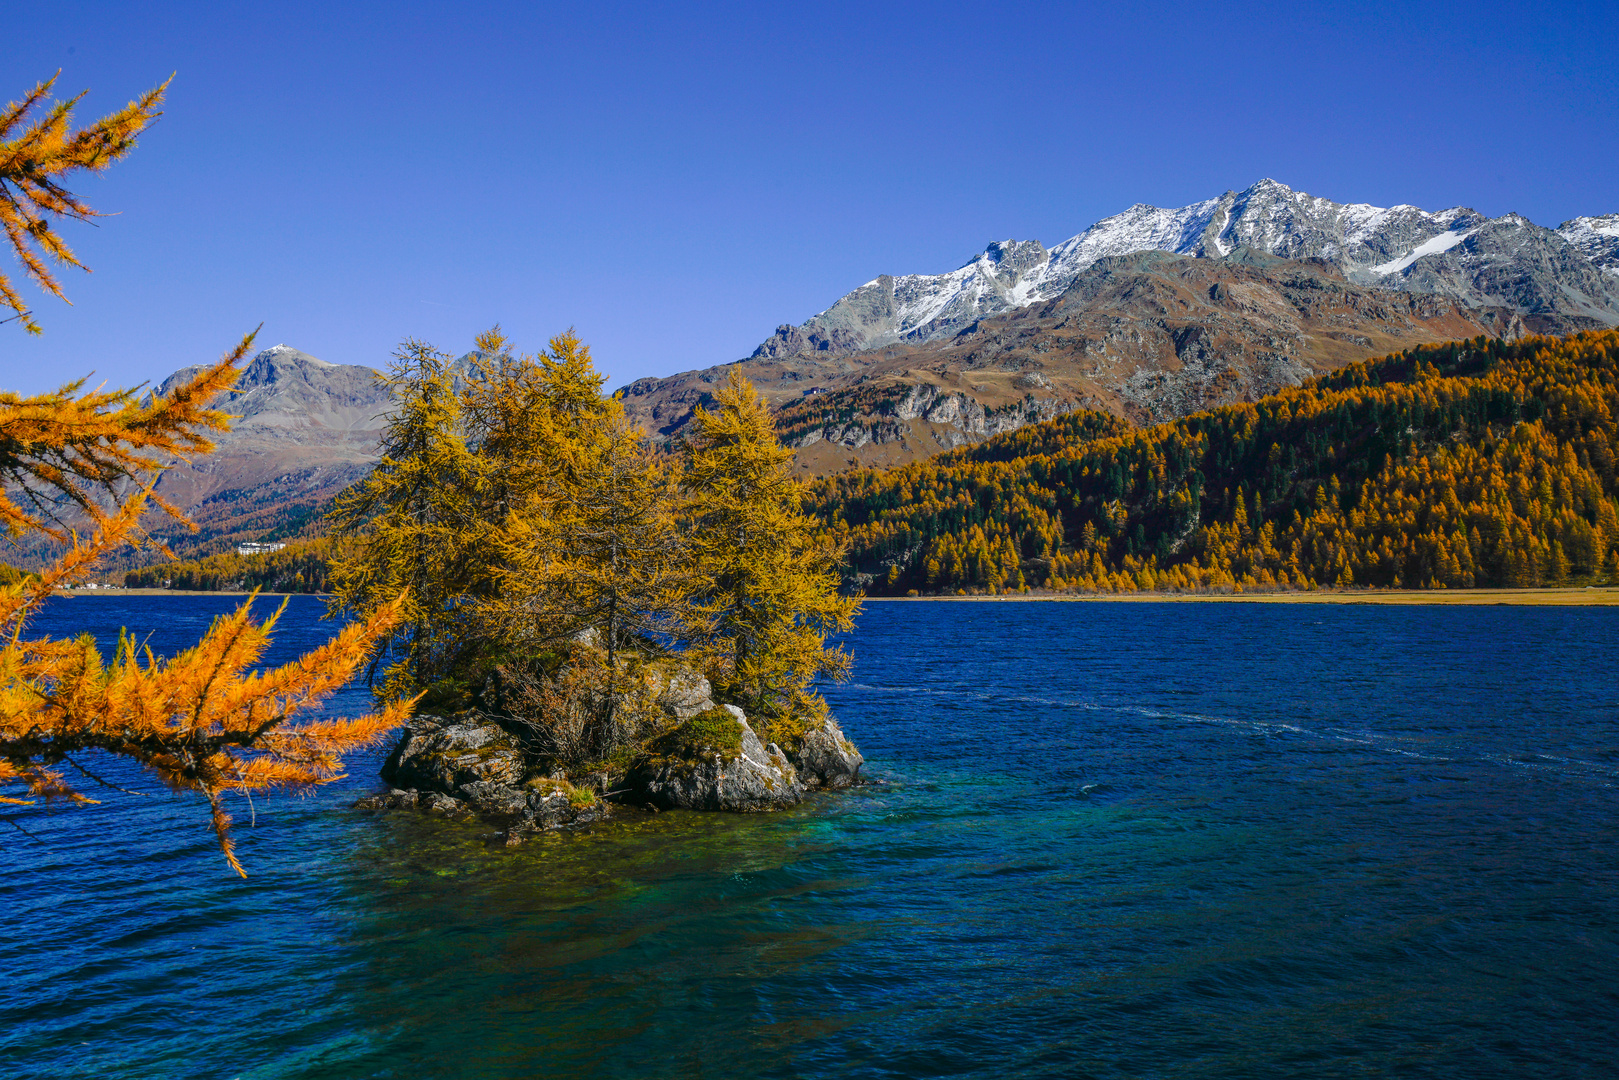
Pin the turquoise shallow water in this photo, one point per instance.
(1109, 840)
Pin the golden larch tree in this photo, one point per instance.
(202, 721)
(771, 598)
(35, 156)
(413, 517)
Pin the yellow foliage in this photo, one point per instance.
(1458, 465)
(34, 157)
(201, 721)
(770, 596)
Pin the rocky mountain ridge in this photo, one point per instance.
(1148, 336)
(1378, 279)
(1482, 262)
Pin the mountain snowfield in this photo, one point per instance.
(1507, 261)
(1596, 238)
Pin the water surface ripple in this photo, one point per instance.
(1107, 840)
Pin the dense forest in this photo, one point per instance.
(1476, 463)
(300, 567)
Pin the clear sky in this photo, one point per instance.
(676, 180)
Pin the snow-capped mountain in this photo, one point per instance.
(1596, 238)
(1482, 262)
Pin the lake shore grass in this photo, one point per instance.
(1593, 596)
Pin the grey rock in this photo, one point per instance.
(1597, 241)
(394, 800)
(753, 778)
(826, 758)
(468, 764)
(436, 802)
(446, 754)
(495, 800)
(680, 691)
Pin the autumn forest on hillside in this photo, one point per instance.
(1469, 464)
(1473, 464)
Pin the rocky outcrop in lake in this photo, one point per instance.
(469, 766)
(476, 765)
(715, 761)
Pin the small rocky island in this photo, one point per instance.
(478, 764)
(581, 617)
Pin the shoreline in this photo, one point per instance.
(81, 593)
(1584, 596)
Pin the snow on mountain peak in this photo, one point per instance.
(1371, 245)
(1597, 239)
(287, 352)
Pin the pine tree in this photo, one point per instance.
(772, 595)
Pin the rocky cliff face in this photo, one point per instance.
(1597, 240)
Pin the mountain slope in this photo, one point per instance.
(1148, 336)
(1507, 261)
(1596, 239)
(306, 429)
(905, 366)
(1474, 463)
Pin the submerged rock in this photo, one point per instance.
(826, 758)
(715, 761)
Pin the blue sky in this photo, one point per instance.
(676, 180)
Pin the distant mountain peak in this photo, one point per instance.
(1507, 261)
(287, 352)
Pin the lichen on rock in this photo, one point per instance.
(715, 761)
(469, 765)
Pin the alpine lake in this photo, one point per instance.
(1098, 840)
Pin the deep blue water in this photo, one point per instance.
(1110, 840)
